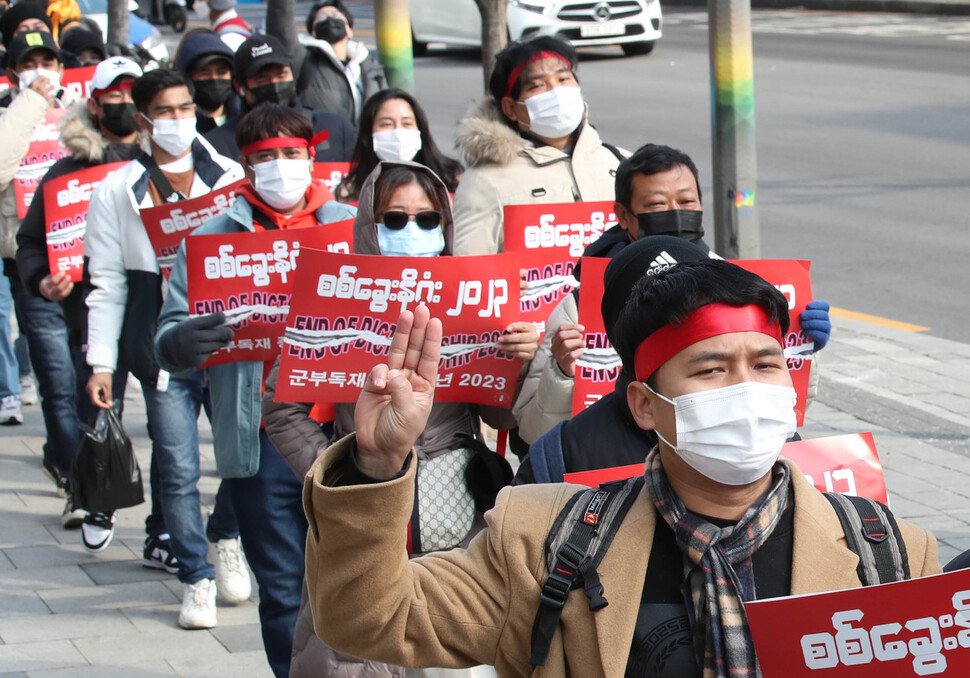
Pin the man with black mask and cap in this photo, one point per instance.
(96, 131)
(208, 62)
(333, 71)
(657, 193)
(262, 74)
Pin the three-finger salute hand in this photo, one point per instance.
(394, 405)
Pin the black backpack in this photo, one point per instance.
(585, 528)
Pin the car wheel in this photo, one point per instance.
(638, 48)
(418, 48)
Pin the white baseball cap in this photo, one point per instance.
(110, 70)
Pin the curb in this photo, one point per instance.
(901, 6)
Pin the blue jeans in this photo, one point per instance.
(9, 370)
(173, 427)
(42, 323)
(273, 528)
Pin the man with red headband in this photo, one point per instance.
(529, 142)
(718, 518)
(123, 309)
(277, 148)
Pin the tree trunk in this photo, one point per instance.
(495, 34)
(117, 25)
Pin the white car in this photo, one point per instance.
(140, 32)
(635, 25)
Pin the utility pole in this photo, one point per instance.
(393, 20)
(117, 26)
(736, 232)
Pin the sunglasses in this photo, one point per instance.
(428, 220)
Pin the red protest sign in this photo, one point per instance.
(551, 237)
(919, 627)
(332, 173)
(166, 225)
(345, 308)
(66, 201)
(45, 149)
(599, 365)
(249, 277)
(791, 277)
(77, 81)
(847, 464)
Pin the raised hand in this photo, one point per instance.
(394, 405)
(520, 341)
(568, 343)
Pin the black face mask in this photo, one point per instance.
(119, 119)
(685, 224)
(331, 29)
(281, 93)
(211, 94)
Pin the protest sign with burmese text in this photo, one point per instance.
(66, 200)
(249, 277)
(45, 149)
(551, 237)
(597, 369)
(345, 309)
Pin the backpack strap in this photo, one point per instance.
(579, 539)
(158, 178)
(872, 534)
(614, 150)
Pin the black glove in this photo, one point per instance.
(191, 342)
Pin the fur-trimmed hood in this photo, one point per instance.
(82, 138)
(485, 138)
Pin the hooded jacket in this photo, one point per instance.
(86, 148)
(508, 168)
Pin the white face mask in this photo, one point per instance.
(27, 77)
(281, 183)
(397, 144)
(174, 136)
(556, 113)
(410, 241)
(733, 435)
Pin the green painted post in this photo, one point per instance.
(736, 230)
(393, 20)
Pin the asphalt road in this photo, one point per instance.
(863, 124)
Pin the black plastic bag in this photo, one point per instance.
(106, 474)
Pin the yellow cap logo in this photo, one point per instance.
(34, 40)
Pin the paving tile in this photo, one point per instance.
(238, 638)
(84, 600)
(31, 628)
(13, 603)
(62, 554)
(34, 578)
(241, 665)
(122, 572)
(156, 669)
(168, 646)
(41, 655)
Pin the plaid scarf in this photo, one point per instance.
(718, 577)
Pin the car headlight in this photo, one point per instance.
(530, 6)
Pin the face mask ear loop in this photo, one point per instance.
(666, 400)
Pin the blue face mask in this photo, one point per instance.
(410, 241)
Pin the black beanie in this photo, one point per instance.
(646, 256)
(18, 13)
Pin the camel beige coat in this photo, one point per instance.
(476, 606)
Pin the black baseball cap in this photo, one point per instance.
(24, 43)
(256, 52)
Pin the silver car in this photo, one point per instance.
(634, 25)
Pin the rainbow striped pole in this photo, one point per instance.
(736, 231)
(393, 20)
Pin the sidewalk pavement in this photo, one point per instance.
(66, 614)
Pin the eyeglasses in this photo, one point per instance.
(427, 220)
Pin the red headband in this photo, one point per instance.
(701, 323)
(517, 71)
(115, 87)
(286, 142)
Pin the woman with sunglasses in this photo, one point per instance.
(393, 127)
(404, 210)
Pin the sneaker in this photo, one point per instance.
(199, 605)
(73, 515)
(61, 482)
(97, 529)
(158, 554)
(10, 412)
(28, 390)
(232, 577)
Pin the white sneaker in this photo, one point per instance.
(232, 577)
(28, 390)
(10, 412)
(97, 529)
(199, 605)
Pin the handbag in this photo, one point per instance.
(105, 474)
